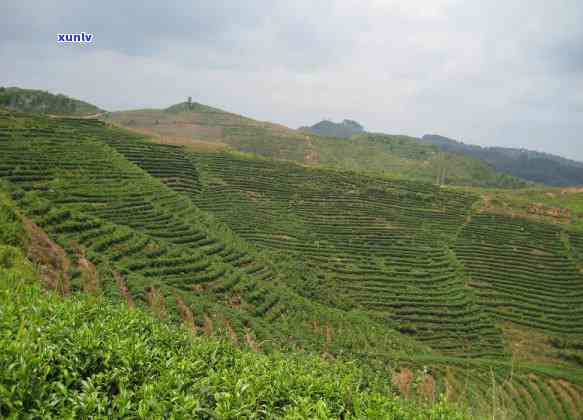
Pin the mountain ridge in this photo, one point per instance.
(32, 100)
(534, 166)
(328, 128)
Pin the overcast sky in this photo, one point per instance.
(490, 72)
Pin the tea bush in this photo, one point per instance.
(82, 357)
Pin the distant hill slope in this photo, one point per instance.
(203, 128)
(38, 101)
(527, 164)
(327, 128)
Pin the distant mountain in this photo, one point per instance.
(38, 101)
(526, 164)
(203, 128)
(342, 130)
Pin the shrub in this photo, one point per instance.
(83, 357)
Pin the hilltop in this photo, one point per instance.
(538, 167)
(430, 292)
(203, 128)
(342, 130)
(29, 100)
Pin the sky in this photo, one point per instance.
(494, 73)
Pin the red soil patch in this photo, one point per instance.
(157, 302)
(329, 334)
(253, 196)
(316, 326)
(51, 257)
(250, 340)
(186, 315)
(199, 288)
(427, 387)
(236, 302)
(89, 276)
(555, 212)
(572, 190)
(403, 381)
(208, 325)
(123, 289)
(231, 331)
(563, 191)
(184, 139)
(487, 201)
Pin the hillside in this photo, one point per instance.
(538, 167)
(87, 357)
(202, 128)
(394, 247)
(28, 100)
(432, 292)
(99, 207)
(342, 130)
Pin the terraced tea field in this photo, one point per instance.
(576, 240)
(407, 278)
(381, 243)
(391, 248)
(522, 273)
(100, 207)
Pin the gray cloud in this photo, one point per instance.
(495, 73)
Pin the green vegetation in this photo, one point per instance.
(82, 357)
(406, 158)
(28, 100)
(537, 167)
(377, 245)
(552, 205)
(98, 206)
(389, 256)
(402, 286)
(327, 128)
(522, 273)
(200, 127)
